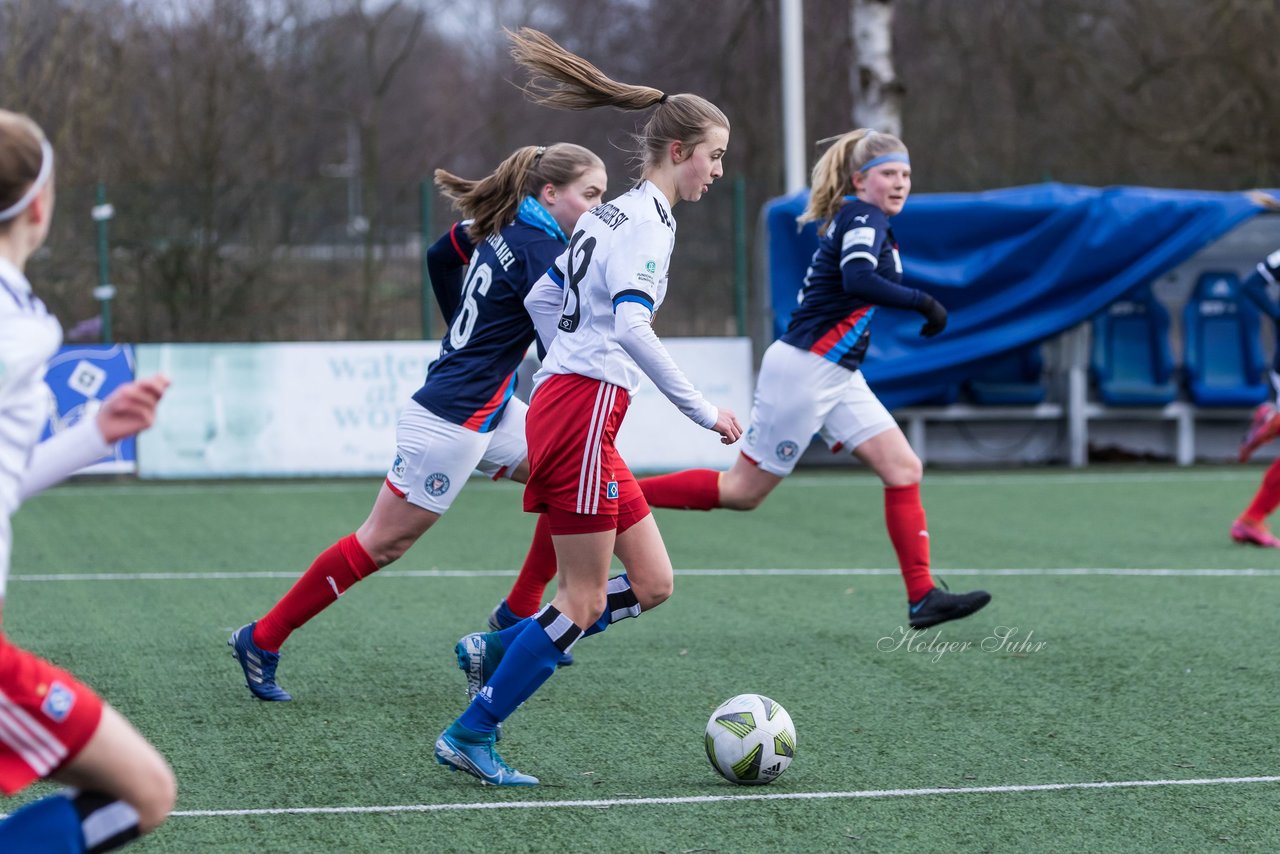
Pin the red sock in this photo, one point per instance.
(539, 568)
(904, 516)
(694, 489)
(1268, 496)
(330, 575)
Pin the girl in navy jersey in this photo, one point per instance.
(1251, 525)
(52, 725)
(465, 416)
(810, 380)
(594, 307)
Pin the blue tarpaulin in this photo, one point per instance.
(1012, 266)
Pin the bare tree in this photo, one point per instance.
(212, 123)
(387, 40)
(877, 92)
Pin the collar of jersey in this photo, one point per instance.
(533, 213)
(658, 196)
(13, 277)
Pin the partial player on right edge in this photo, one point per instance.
(1250, 526)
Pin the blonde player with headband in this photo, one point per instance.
(810, 380)
(51, 725)
(596, 303)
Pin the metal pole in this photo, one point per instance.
(424, 238)
(103, 293)
(740, 252)
(793, 94)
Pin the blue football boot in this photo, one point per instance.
(259, 666)
(477, 659)
(463, 750)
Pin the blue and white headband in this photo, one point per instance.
(893, 157)
(46, 168)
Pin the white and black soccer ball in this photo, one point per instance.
(750, 740)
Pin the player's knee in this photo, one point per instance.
(585, 607)
(384, 550)
(156, 796)
(904, 471)
(740, 496)
(653, 592)
(387, 553)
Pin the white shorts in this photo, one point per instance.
(434, 457)
(798, 394)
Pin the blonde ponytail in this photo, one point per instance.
(566, 81)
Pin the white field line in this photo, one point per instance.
(1271, 572)
(712, 799)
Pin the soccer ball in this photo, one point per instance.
(750, 740)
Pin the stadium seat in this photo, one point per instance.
(1011, 379)
(943, 394)
(1223, 358)
(1131, 362)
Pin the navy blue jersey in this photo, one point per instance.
(1256, 288)
(854, 269)
(489, 331)
(447, 261)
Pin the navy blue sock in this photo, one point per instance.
(48, 825)
(529, 661)
(69, 822)
(506, 637)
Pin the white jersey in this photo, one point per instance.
(29, 336)
(594, 306)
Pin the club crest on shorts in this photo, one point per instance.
(787, 450)
(58, 702)
(611, 490)
(437, 484)
(398, 467)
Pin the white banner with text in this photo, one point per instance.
(314, 409)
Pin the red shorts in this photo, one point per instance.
(46, 717)
(575, 473)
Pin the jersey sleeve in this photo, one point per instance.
(1255, 288)
(447, 258)
(544, 303)
(61, 455)
(638, 263)
(26, 344)
(635, 335)
(861, 240)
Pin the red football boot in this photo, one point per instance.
(1254, 533)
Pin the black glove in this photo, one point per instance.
(935, 316)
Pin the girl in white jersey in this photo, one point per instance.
(810, 382)
(597, 300)
(51, 725)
